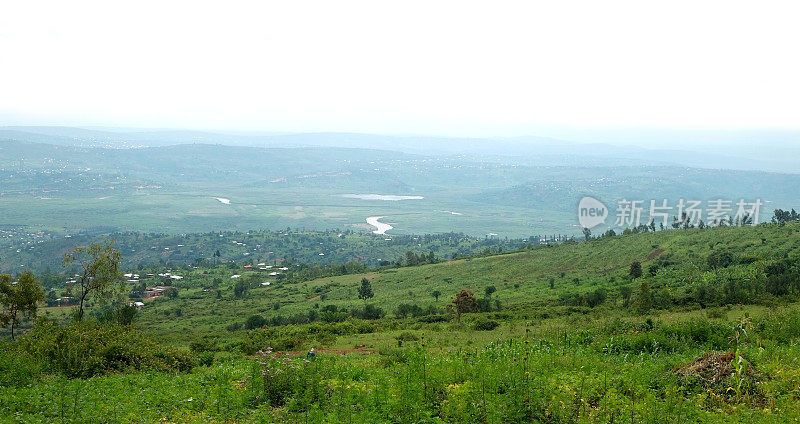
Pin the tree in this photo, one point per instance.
(782, 217)
(125, 314)
(644, 300)
(636, 269)
(463, 302)
(489, 290)
(365, 291)
(596, 297)
(255, 321)
(18, 298)
(587, 233)
(626, 292)
(241, 288)
(99, 276)
(171, 293)
(436, 294)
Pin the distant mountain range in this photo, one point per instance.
(71, 180)
(762, 151)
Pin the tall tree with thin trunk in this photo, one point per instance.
(99, 276)
(18, 298)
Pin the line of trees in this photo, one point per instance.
(780, 216)
(98, 277)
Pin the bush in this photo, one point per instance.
(484, 324)
(484, 305)
(595, 298)
(85, 349)
(288, 338)
(255, 321)
(205, 344)
(369, 312)
(206, 359)
(720, 259)
(407, 336)
(330, 313)
(430, 319)
(405, 309)
(17, 367)
(122, 314)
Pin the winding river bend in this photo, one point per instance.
(380, 227)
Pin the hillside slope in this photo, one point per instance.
(547, 280)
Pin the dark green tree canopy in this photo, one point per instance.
(365, 291)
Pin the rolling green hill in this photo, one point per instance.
(708, 333)
(176, 189)
(675, 263)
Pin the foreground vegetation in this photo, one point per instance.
(672, 326)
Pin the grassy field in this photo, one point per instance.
(546, 353)
(172, 189)
(522, 279)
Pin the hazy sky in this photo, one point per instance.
(435, 67)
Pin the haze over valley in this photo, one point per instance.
(416, 212)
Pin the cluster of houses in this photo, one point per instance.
(170, 276)
(64, 301)
(264, 267)
(152, 292)
(132, 278)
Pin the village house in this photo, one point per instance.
(152, 292)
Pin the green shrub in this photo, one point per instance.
(407, 336)
(86, 349)
(278, 381)
(434, 318)
(483, 324)
(17, 367)
(270, 338)
(205, 344)
(255, 321)
(369, 312)
(206, 359)
(720, 259)
(781, 327)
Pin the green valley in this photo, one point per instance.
(689, 325)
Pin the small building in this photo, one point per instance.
(152, 292)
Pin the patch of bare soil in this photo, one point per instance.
(655, 254)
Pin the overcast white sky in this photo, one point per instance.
(436, 67)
